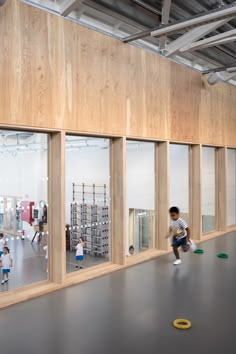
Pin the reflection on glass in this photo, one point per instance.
(23, 183)
(231, 187)
(88, 211)
(140, 194)
(208, 190)
(1, 213)
(179, 179)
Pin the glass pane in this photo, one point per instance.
(1, 213)
(23, 204)
(88, 211)
(179, 179)
(231, 187)
(140, 194)
(208, 190)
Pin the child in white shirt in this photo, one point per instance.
(45, 248)
(6, 263)
(2, 243)
(79, 257)
(180, 232)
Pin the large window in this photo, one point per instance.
(23, 207)
(179, 178)
(231, 187)
(208, 189)
(88, 202)
(140, 192)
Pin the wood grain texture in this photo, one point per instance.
(55, 74)
(162, 195)
(195, 162)
(118, 177)
(57, 244)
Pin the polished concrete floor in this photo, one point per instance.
(29, 264)
(87, 263)
(131, 311)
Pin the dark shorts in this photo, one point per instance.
(179, 242)
(79, 258)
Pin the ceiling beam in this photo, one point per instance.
(164, 21)
(147, 7)
(68, 6)
(204, 43)
(219, 69)
(192, 36)
(214, 78)
(163, 30)
(196, 21)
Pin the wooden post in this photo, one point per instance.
(131, 226)
(162, 195)
(221, 189)
(56, 213)
(118, 175)
(195, 170)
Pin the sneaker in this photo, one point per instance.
(192, 246)
(76, 267)
(177, 262)
(6, 280)
(3, 282)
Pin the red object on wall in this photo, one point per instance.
(27, 211)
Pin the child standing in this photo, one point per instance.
(2, 243)
(180, 233)
(45, 248)
(79, 253)
(6, 264)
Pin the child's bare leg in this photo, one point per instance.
(176, 252)
(186, 248)
(3, 278)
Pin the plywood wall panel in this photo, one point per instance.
(184, 108)
(56, 74)
(158, 96)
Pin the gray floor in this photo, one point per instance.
(131, 311)
(87, 262)
(29, 264)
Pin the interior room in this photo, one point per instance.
(24, 203)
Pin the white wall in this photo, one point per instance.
(140, 181)
(179, 177)
(208, 181)
(24, 175)
(89, 166)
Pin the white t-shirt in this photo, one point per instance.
(179, 225)
(2, 244)
(6, 261)
(79, 249)
(45, 248)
